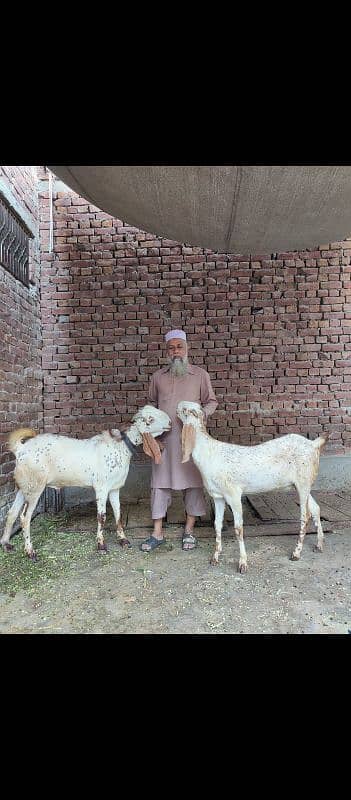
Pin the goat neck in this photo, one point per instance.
(134, 435)
(201, 436)
(129, 444)
(131, 438)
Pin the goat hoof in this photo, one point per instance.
(242, 568)
(214, 562)
(317, 549)
(8, 547)
(125, 543)
(32, 556)
(294, 557)
(101, 548)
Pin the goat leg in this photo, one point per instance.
(123, 541)
(219, 507)
(101, 546)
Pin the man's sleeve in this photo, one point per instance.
(153, 391)
(208, 397)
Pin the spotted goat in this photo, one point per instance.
(101, 462)
(228, 471)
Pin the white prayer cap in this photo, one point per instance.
(175, 335)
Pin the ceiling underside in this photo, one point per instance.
(236, 209)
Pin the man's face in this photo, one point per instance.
(177, 353)
(177, 348)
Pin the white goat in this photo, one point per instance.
(229, 470)
(101, 463)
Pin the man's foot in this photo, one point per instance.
(150, 544)
(188, 541)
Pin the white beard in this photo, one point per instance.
(179, 367)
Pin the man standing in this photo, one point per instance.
(180, 380)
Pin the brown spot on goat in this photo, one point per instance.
(124, 543)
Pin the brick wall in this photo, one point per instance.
(20, 335)
(274, 332)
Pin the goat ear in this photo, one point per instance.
(151, 448)
(188, 442)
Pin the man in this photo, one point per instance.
(180, 380)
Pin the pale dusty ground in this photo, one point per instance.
(73, 590)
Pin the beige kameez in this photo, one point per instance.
(166, 391)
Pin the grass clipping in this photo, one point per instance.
(59, 552)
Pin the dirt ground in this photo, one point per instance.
(72, 589)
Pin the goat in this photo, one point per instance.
(101, 462)
(230, 470)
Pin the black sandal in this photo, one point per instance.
(153, 542)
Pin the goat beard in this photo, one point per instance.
(188, 442)
(151, 448)
(179, 366)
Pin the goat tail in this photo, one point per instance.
(321, 441)
(18, 437)
(317, 445)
